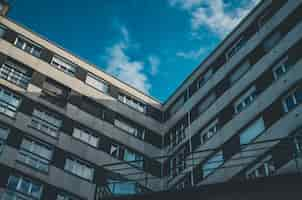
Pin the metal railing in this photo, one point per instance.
(286, 154)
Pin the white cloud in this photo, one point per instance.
(191, 54)
(124, 67)
(185, 4)
(213, 14)
(154, 64)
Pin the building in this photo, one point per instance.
(64, 122)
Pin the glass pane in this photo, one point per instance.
(36, 190)
(25, 185)
(13, 182)
(252, 131)
(290, 103)
(298, 95)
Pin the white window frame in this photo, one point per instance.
(281, 65)
(79, 168)
(97, 83)
(13, 73)
(50, 126)
(209, 131)
(26, 42)
(250, 94)
(114, 148)
(129, 129)
(63, 65)
(9, 102)
(133, 103)
(32, 157)
(86, 137)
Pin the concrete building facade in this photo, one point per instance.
(64, 122)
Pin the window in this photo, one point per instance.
(46, 122)
(129, 129)
(96, 83)
(64, 196)
(132, 156)
(15, 73)
(209, 131)
(240, 71)
(252, 131)
(245, 100)
(204, 78)
(177, 163)
(262, 169)
(4, 131)
(176, 105)
(235, 48)
(24, 186)
(281, 68)
(293, 99)
(9, 102)
(178, 132)
(28, 46)
(132, 103)
(205, 103)
(272, 41)
(54, 92)
(85, 136)
(120, 187)
(2, 28)
(35, 154)
(114, 150)
(212, 164)
(79, 168)
(63, 65)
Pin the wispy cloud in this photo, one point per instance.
(213, 14)
(194, 54)
(154, 62)
(124, 67)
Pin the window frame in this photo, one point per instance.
(63, 65)
(281, 65)
(90, 135)
(97, 80)
(250, 94)
(80, 164)
(33, 46)
(6, 106)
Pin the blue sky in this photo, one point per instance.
(151, 44)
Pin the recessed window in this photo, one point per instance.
(64, 196)
(293, 99)
(46, 122)
(240, 71)
(20, 186)
(213, 163)
(264, 168)
(235, 48)
(15, 73)
(63, 65)
(2, 28)
(132, 103)
(115, 150)
(129, 128)
(9, 102)
(96, 83)
(178, 133)
(281, 67)
(79, 168)
(85, 136)
(4, 131)
(245, 100)
(28, 46)
(54, 92)
(36, 154)
(177, 163)
(209, 131)
(177, 104)
(132, 156)
(252, 131)
(272, 41)
(204, 78)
